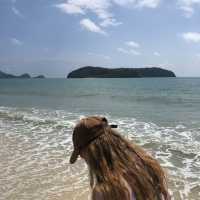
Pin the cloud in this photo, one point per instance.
(148, 3)
(131, 49)
(188, 6)
(128, 51)
(132, 44)
(191, 37)
(16, 42)
(110, 22)
(70, 8)
(121, 50)
(156, 53)
(102, 8)
(138, 3)
(17, 12)
(99, 7)
(124, 2)
(91, 26)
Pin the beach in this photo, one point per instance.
(37, 117)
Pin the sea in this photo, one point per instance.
(37, 117)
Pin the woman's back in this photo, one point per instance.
(99, 196)
(119, 170)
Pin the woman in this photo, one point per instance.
(118, 169)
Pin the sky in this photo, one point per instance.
(54, 37)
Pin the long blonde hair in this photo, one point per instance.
(112, 159)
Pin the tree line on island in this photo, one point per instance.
(23, 76)
(101, 72)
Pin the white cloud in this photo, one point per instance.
(131, 50)
(16, 41)
(70, 8)
(148, 3)
(102, 8)
(188, 11)
(17, 12)
(128, 51)
(99, 7)
(110, 22)
(91, 26)
(138, 3)
(191, 37)
(124, 2)
(156, 53)
(188, 6)
(132, 44)
(121, 50)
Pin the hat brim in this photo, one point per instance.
(74, 156)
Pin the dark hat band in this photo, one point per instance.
(113, 125)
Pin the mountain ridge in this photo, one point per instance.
(4, 75)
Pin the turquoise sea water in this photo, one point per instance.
(37, 116)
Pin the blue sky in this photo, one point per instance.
(52, 37)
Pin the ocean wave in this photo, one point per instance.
(35, 116)
(36, 145)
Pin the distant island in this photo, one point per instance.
(101, 72)
(23, 76)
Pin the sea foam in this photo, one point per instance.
(36, 146)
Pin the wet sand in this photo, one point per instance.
(34, 158)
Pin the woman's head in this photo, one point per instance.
(114, 161)
(87, 130)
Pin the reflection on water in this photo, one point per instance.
(36, 145)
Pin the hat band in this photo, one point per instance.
(94, 138)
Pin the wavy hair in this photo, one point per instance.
(114, 163)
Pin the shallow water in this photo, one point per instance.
(35, 137)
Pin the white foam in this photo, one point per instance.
(37, 144)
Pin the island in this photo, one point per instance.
(101, 72)
(40, 76)
(4, 75)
